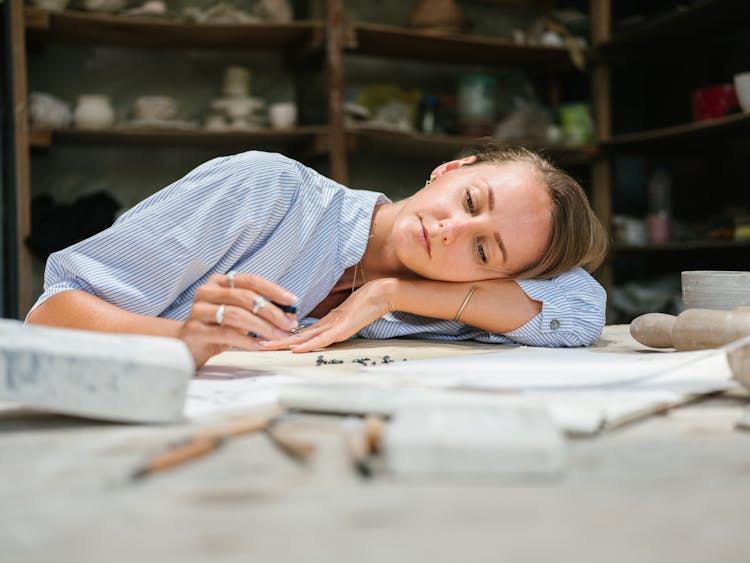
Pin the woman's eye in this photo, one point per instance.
(470, 202)
(480, 251)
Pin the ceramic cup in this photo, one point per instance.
(713, 102)
(282, 115)
(742, 87)
(155, 108)
(94, 111)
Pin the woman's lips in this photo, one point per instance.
(424, 237)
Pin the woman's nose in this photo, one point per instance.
(451, 230)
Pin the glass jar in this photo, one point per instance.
(427, 117)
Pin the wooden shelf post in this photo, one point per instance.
(335, 79)
(21, 156)
(601, 173)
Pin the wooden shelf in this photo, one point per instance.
(685, 133)
(313, 136)
(398, 143)
(686, 246)
(405, 43)
(104, 29)
(707, 17)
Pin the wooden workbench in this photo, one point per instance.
(670, 488)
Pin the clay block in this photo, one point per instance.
(468, 441)
(107, 376)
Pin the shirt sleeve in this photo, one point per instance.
(175, 239)
(573, 311)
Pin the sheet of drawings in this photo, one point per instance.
(584, 389)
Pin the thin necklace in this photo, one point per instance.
(364, 272)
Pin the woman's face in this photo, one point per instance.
(476, 222)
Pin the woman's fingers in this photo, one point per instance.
(319, 335)
(237, 319)
(304, 335)
(220, 292)
(260, 286)
(325, 338)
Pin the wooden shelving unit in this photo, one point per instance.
(682, 246)
(323, 42)
(685, 133)
(446, 146)
(128, 31)
(703, 18)
(314, 136)
(297, 40)
(705, 146)
(405, 43)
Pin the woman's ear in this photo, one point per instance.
(452, 165)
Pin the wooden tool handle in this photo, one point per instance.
(192, 449)
(200, 444)
(653, 329)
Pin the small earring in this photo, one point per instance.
(429, 181)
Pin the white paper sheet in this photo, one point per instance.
(555, 369)
(224, 389)
(585, 389)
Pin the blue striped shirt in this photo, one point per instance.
(266, 214)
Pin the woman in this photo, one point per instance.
(491, 249)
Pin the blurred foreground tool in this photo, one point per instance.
(203, 443)
(199, 445)
(693, 329)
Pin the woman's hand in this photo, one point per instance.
(361, 308)
(228, 307)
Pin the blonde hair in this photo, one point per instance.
(577, 238)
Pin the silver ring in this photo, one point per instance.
(219, 316)
(230, 278)
(258, 303)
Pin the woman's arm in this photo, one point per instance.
(82, 310)
(496, 306)
(565, 311)
(205, 332)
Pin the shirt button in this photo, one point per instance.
(554, 324)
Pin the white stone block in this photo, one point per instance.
(107, 376)
(474, 441)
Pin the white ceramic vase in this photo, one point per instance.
(94, 111)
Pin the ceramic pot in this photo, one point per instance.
(236, 81)
(94, 111)
(283, 115)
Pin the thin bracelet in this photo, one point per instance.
(465, 303)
